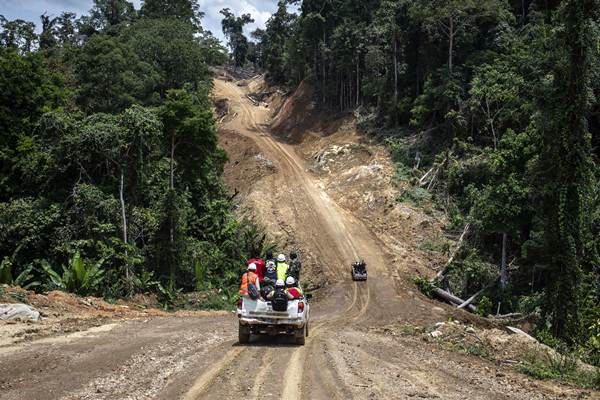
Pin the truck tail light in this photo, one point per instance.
(300, 306)
(239, 303)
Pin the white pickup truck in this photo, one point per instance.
(257, 317)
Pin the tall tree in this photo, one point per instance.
(567, 166)
(178, 57)
(48, 35)
(66, 31)
(185, 10)
(274, 38)
(111, 76)
(18, 34)
(233, 29)
(110, 13)
(451, 19)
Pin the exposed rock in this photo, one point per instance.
(435, 334)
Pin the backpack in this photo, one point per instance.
(279, 301)
(252, 291)
(271, 273)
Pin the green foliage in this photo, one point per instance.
(425, 286)
(6, 271)
(168, 294)
(187, 11)
(233, 29)
(111, 77)
(79, 276)
(414, 194)
(438, 245)
(178, 58)
(561, 367)
(484, 306)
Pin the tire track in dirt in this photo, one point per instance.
(260, 379)
(335, 236)
(205, 380)
(340, 249)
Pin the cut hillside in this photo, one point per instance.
(357, 172)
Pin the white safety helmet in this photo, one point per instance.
(290, 281)
(252, 267)
(281, 258)
(279, 283)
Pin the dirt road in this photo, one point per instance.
(344, 357)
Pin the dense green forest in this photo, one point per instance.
(109, 164)
(489, 108)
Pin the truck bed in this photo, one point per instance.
(258, 317)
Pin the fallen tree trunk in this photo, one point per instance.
(254, 101)
(450, 298)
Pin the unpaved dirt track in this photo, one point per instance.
(199, 358)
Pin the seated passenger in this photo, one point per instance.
(279, 297)
(293, 292)
(270, 273)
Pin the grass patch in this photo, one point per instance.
(411, 330)
(414, 195)
(561, 368)
(437, 245)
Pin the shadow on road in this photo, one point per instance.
(268, 341)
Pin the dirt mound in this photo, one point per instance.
(66, 313)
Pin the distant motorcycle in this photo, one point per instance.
(359, 271)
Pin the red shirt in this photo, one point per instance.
(260, 267)
(295, 292)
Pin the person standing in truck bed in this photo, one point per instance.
(295, 266)
(260, 267)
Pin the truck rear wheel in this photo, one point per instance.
(243, 335)
(301, 338)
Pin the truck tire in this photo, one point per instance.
(243, 335)
(301, 338)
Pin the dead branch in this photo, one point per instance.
(472, 298)
(459, 244)
(507, 316)
(422, 180)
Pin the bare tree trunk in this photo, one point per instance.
(172, 164)
(124, 217)
(357, 80)
(395, 71)
(451, 43)
(503, 267)
(172, 222)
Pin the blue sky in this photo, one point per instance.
(31, 10)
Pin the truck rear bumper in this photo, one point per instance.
(284, 327)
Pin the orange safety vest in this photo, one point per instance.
(247, 277)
